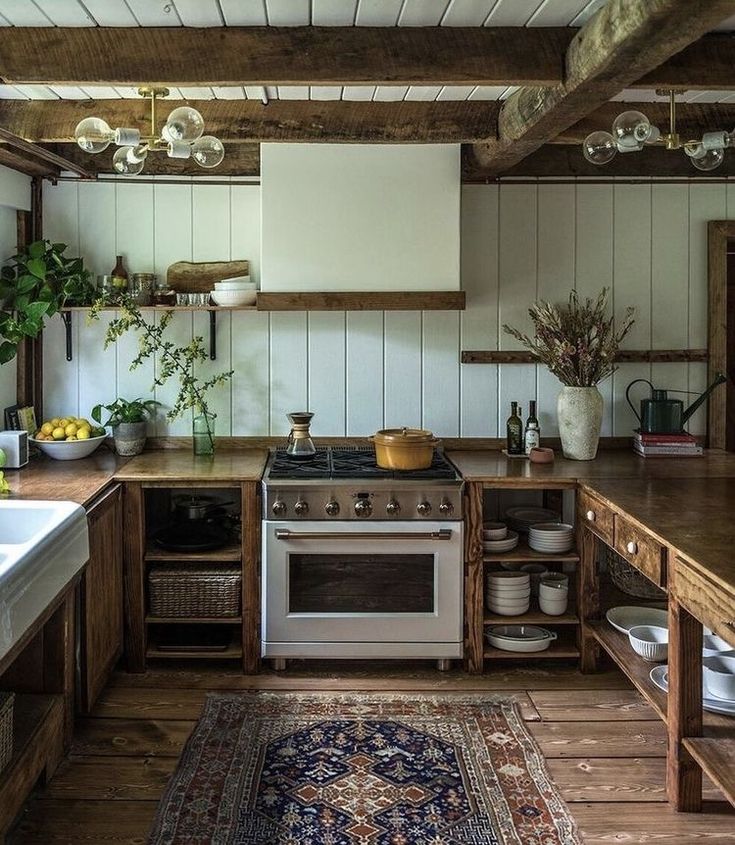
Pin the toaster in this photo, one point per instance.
(15, 446)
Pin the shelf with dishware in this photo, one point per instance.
(524, 554)
(556, 645)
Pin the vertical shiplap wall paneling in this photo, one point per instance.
(8, 247)
(594, 251)
(289, 368)
(670, 281)
(556, 262)
(211, 241)
(97, 238)
(365, 355)
(517, 283)
(61, 377)
(706, 202)
(250, 330)
(326, 375)
(440, 384)
(632, 287)
(479, 323)
(173, 212)
(403, 354)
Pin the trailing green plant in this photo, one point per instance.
(578, 342)
(173, 361)
(124, 411)
(37, 283)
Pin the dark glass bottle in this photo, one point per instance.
(532, 436)
(119, 274)
(514, 431)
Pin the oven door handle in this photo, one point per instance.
(442, 534)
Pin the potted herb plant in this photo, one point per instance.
(36, 284)
(578, 342)
(128, 420)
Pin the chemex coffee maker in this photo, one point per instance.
(661, 415)
(300, 445)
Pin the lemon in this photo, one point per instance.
(54, 422)
(47, 428)
(71, 437)
(63, 422)
(71, 429)
(82, 423)
(84, 433)
(58, 433)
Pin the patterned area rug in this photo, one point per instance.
(289, 769)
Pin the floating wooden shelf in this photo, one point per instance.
(647, 356)
(523, 554)
(533, 617)
(232, 652)
(231, 552)
(172, 308)
(363, 301)
(556, 650)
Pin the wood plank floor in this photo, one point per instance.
(604, 746)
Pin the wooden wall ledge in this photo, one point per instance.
(445, 300)
(626, 356)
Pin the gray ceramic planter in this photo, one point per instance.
(129, 438)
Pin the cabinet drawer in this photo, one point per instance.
(646, 554)
(596, 516)
(704, 599)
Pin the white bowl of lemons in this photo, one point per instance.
(68, 438)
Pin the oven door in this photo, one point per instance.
(361, 585)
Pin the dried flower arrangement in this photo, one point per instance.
(578, 342)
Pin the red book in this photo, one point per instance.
(650, 439)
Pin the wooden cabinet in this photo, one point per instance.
(596, 516)
(710, 602)
(101, 629)
(639, 548)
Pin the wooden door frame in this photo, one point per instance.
(720, 429)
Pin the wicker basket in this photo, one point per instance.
(6, 728)
(181, 590)
(629, 580)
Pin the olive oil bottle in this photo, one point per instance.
(532, 436)
(514, 431)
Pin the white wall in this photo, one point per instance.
(360, 371)
(15, 193)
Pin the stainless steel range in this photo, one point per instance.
(359, 561)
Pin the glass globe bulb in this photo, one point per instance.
(184, 124)
(710, 160)
(631, 130)
(599, 147)
(129, 161)
(208, 151)
(93, 134)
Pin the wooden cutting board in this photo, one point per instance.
(200, 276)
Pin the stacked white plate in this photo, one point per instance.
(522, 638)
(508, 593)
(551, 537)
(522, 518)
(508, 543)
(234, 292)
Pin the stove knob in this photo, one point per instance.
(446, 508)
(363, 508)
(332, 508)
(279, 508)
(301, 507)
(393, 508)
(423, 508)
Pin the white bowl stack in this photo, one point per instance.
(235, 292)
(552, 538)
(497, 539)
(508, 593)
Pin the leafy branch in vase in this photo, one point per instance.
(173, 361)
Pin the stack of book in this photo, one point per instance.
(666, 445)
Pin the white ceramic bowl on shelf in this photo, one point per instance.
(494, 531)
(507, 579)
(554, 606)
(625, 617)
(236, 280)
(719, 676)
(520, 638)
(509, 593)
(712, 645)
(68, 450)
(234, 298)
(650, 641)
(234, 285)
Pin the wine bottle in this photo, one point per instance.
(532, 437)
(119, 274)
(514, 431)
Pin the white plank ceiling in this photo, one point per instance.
(202, 13)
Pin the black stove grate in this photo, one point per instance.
(356, 462)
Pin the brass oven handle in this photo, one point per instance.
(284, 534)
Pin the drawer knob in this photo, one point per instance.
(591, 516)
(632, 547)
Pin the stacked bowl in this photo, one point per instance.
(552, 538)
(497, 539)
(508, 593)
(235, 292)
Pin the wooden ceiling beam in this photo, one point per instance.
(621, 43)
(25, 164)
(28, 148)
(284, 55)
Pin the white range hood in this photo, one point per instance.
(360, 217)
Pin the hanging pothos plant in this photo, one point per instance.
(36, 284)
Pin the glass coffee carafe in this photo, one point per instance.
(300, 445)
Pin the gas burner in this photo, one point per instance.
(283, 466)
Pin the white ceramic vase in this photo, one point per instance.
(579, 413)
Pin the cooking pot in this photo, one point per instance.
(193, 508)
(404, 448)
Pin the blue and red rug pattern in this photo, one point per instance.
(290, 769)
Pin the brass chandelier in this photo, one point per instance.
(632, 130)
(181, 137)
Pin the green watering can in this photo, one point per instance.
(661, 415)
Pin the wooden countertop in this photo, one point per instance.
(73, 481)
(182, 465)
(494, 467)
